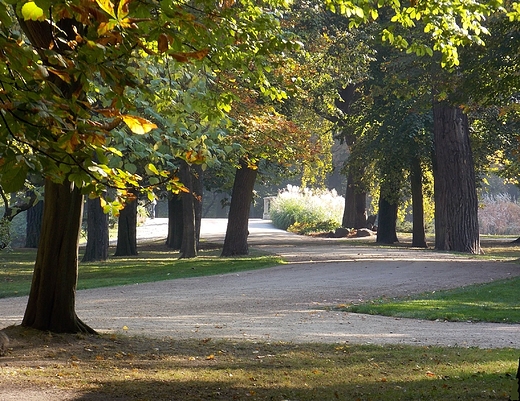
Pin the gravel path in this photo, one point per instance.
(292, 302)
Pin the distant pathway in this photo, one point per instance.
(291, 302)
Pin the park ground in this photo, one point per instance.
(293, 303)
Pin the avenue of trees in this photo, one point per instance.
(116, 101)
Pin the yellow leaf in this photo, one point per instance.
(125, 328)
(30, 11)
(105, 27)
(107, 6)
(138, 125)
(210, 357)
(122, 9)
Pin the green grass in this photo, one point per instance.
(140, 368)
(152, 264)
(493, 302)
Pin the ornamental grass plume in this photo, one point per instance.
(499, 215)
(307, 210)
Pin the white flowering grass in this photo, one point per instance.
(307, 210)
(499, 215)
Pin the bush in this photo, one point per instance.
(303, 210)
(499, 215)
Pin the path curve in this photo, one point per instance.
(292, 302)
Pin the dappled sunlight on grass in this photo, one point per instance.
(138, 368)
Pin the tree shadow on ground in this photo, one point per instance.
(121, 367)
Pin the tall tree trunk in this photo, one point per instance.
(387, 219)
(419, 235)
(456, 204)
(33, 228)
(237, 231)
(127, 230)
(355, 212)
(198, 189)
(189, 236)
(52, 298)
(175, 222)
(97, 232)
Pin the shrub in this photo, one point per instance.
(499, 215)
(303, 210)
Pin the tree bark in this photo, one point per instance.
(97, 232)
(198, 189)
(127, 230)
(52, 299)
(419, 235)
(237, 231)
(456, 203)
(387, 219)
(175, 222)
(355, 212)
(33, 225)
(189, 236)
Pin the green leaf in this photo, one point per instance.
(131, 168)
(13, 177)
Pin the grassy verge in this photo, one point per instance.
(493, 302)
(133, 368)
(154, 263)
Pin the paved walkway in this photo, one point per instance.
(292, 302)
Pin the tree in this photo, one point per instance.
(388, 207)
(11, 210)
(235, 242)
(264, 136)
(70, 50)
(51, 304)
(127, 229)
(97, 232)
(175, 222)
(336, 63)
(33, 225)
(456, 203)
(65, 82)
(416, 185)
(189, 236)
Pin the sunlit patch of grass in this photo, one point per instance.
(140, 368)
(16, 268)
(493, 302)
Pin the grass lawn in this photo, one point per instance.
(155, 262)
(138, 368)
(496, 302)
